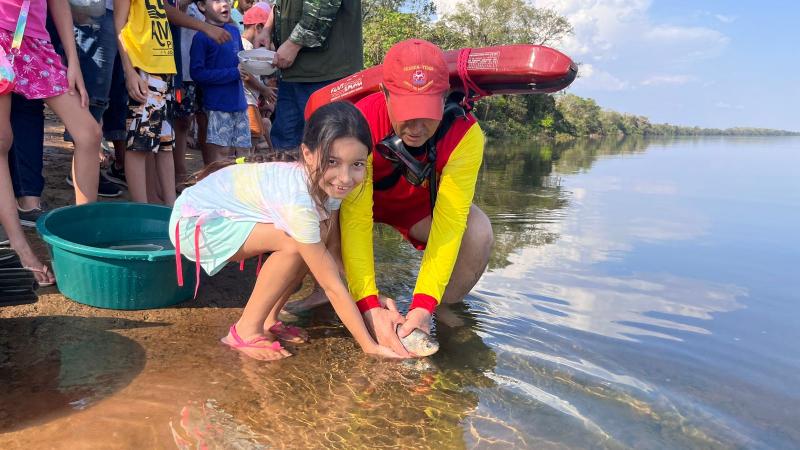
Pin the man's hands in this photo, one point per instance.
(416, 318)
(286, 54)
(382, 323)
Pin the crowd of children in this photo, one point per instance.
(179, 67)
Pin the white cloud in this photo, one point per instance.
(695, 35)
(660, 80)
(725, 105)
(591, 77)
(725, 19)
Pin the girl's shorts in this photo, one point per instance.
(220, 238)
(228, 129)
(38, 70)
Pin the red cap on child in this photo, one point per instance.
(416, 76)
(259, 13)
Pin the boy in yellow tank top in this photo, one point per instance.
(147, 53)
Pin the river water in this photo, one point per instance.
(641, 294)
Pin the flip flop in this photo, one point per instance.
(44, 270)
(238, 342)
(282, 330)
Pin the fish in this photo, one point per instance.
(419, 342)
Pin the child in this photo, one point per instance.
(255, 20)
(188, 104)
(39, 74)
(215, 69)
(237, 13)
(246, 210)
(146, 53)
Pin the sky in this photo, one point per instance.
(707, 63)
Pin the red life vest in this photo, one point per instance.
(403, 204)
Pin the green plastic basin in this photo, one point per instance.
(115, 255)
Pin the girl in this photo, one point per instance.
(245, 210)
(39, 74)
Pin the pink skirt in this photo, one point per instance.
(38, 70)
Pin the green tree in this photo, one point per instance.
(496, 22)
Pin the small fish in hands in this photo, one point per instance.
(419, 342)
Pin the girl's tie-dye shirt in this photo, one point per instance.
(275, 193)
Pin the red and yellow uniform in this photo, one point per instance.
(459, 157)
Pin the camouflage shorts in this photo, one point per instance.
(149, 123)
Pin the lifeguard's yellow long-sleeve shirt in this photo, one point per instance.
(458, 159)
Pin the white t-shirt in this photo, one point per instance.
(187, 34)
(275, 193)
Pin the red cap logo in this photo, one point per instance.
(418, 78)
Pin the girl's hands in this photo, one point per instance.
(75, 83)
(384, 352)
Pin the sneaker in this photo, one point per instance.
(116, 175)
(106, 188)
(28, 217)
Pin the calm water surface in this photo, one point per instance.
(641, 294)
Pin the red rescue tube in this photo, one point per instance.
(502, 69)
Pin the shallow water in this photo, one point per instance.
(641, 294)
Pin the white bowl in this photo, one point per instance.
(258, 61)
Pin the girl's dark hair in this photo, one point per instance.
(328, 123)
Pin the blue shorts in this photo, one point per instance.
(220, 239)
(228, 129)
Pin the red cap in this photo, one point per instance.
(416, 76)
(257, 14)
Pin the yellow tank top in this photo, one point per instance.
(147, 37)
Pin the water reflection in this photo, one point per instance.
(550, 257)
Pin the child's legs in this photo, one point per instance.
(9, 217)
(85, 132)
(25, 159)
(184, 114)
(201, 119)
(153, 184)
(275, 278)
(136, 175)
(115, 115)
(182, 125)
(217, 152)
(272, 317)
(166, 176)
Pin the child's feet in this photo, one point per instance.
(258, 347)
(286, 333)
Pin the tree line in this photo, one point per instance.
(483, 23)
